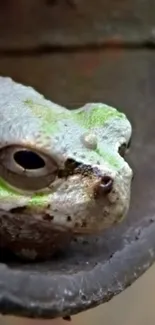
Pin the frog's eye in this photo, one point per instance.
(27, 168)
(123, 148)
(29, 160)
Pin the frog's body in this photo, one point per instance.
(84, 184)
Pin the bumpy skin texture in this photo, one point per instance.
(91, 187)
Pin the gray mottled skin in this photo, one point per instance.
(40, 212)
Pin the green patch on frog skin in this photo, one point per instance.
(110, 158)
(49, 117)
(38, 200)
(97, 115)
(6, 191)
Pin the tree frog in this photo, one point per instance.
(62, 172)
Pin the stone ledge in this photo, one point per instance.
(31, 24)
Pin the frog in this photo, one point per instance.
(63, 172)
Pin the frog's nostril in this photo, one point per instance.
(104, 186)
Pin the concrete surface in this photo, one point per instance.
(135, 306)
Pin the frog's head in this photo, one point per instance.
(59, 167)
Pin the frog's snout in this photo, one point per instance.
(103, 187)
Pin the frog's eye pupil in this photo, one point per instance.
(28, 159)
